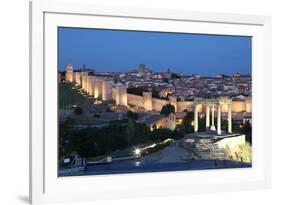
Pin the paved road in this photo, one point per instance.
(168, 159)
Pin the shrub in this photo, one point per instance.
(167, 109)
(78, 111)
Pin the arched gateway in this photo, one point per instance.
(213, 104)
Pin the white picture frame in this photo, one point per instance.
(46, 187)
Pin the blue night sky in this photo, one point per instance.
(121, 51)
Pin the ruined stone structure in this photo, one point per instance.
(212, 104)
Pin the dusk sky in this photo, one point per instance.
(121, 51)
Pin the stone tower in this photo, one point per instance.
(84, 77)
(98, 88)
(91, 85)
(69, 73)
(107, 89)
(77, 78)
(121, 95)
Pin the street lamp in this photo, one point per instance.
(137, 152)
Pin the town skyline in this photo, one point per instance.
(121, 51)
(84, 66)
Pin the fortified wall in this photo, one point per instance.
(103, 87)
(146, 101)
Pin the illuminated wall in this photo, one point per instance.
(147, 100)
(249, 104)
(91, 85)
(238, 106)
(157, 104)
(107, 89)
(104, 88)
(168, 122)
(85, 82)
(185, 105)
(114, 93)
(121, 95)
(135, 100)
(98, 88)
(69, 73)
(77, 78)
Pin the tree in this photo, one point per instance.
(187, 122)
(161, 134)
(175, 76)
(132, 115)
(165, 80)
(167, 109)
(130, 131)
(78, 111)
(83, 145)
(247, 130)
(245, 152)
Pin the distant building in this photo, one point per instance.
(144, 70)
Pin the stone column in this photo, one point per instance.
(207, 116)
(229, 119)
(196, 118)
(213, 118)
(219, 120)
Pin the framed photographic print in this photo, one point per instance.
(130, 102)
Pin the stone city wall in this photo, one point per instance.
(135, 100)
(102, 87)
(157, 104)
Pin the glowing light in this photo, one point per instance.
(137, 152)
(138, 164)
(150, 146)
(168, 140)
(192, 123)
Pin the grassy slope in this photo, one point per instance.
(69, 96)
